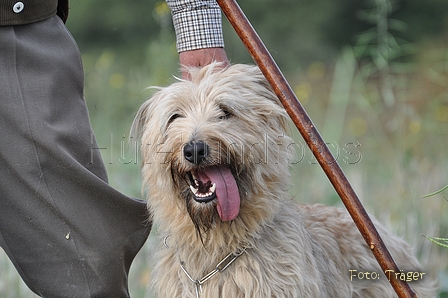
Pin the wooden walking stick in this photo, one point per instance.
(315, 142)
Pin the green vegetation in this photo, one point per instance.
(373, 76)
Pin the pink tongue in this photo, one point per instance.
(226, 190)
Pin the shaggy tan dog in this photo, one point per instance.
(215, 168)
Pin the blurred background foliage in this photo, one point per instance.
(372, 74)
(299, 31)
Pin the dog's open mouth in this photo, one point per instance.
(203, 193)
(217, 182)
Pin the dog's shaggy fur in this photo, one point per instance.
(215, 168)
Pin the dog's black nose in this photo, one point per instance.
(195, 152)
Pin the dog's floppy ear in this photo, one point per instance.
(270, 95)
(264, 82)
(251, 73)
(143, 114)
(141, 119)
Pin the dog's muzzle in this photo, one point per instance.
(213, 182)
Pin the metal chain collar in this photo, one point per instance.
(220, 267)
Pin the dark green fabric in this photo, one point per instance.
(67, 231)
(33, 11)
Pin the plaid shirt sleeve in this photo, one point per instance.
(197, 24)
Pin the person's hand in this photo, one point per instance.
(202, 57)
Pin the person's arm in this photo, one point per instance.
(198, 27)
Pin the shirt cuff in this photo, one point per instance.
(197, 24)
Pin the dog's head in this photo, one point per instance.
(214, 149)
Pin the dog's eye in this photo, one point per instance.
(172, 118)
(225, 114)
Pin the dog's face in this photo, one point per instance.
(214, 149)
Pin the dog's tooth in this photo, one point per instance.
(212, 189)
(193, 189)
